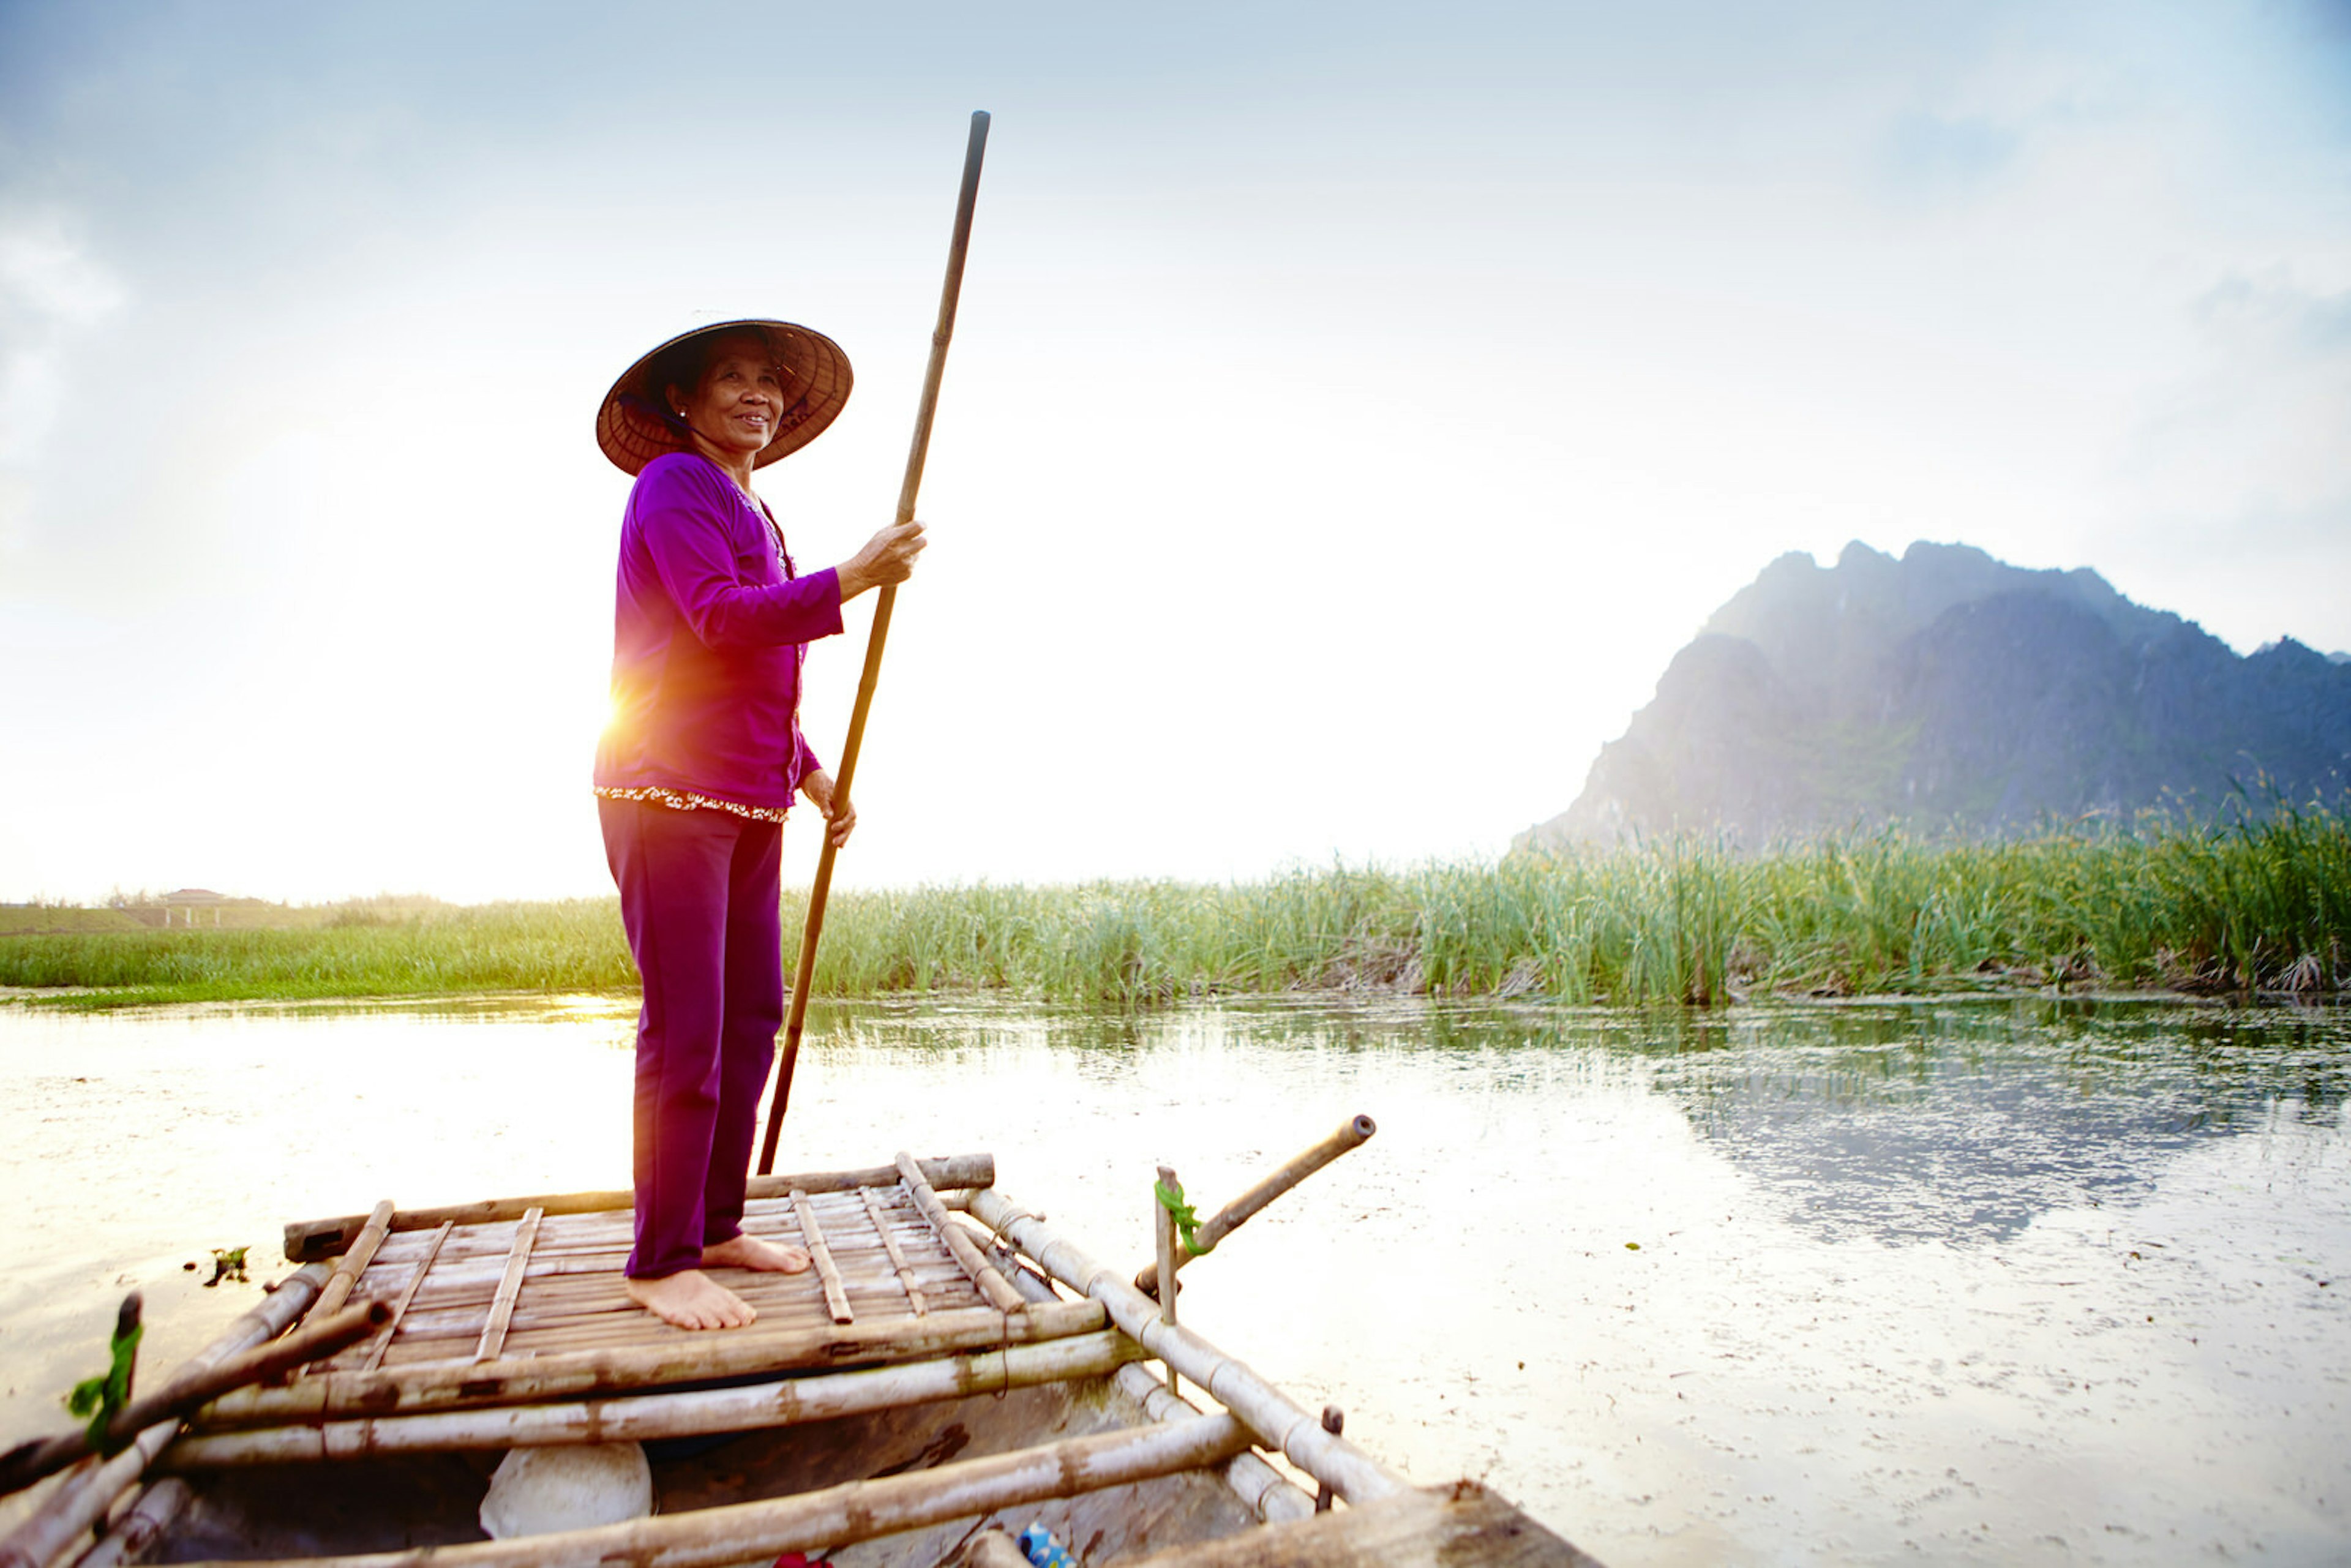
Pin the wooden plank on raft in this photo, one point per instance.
(400, 1308)
(914, 1297)
(353, 1263)
(993, 1285)
(836, 1300)
(1461, 1526)
(563, 1303)
(502, 1305)
(307, 1240)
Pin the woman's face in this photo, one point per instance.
(740, 396)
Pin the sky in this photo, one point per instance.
(1351, 410)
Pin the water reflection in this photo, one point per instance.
(1957, 1282)
(1954, 1122)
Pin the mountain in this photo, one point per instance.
(1954, 691)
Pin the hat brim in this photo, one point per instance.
(633, 428)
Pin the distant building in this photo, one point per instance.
(188, 902)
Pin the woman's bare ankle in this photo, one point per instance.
(747, 1251)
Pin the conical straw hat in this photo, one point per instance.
(635, 424)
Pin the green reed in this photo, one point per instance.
(2247, 905)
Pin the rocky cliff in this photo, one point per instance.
(1957, 693)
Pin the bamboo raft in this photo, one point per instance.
(949, 1371)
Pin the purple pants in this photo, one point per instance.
(698, 896)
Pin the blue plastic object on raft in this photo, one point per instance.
(1037, 1544)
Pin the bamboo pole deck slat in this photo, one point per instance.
(399, 1309)
(644, 1418)
(502, 1306)
(842, 1515)
(993, 1285)
(607, 1296)
(914, 1297)
(91, 1487)
(618, 1332)
(437, 1310)
(677, 1357)
(546, 1284)
(560, 1232)
(457, 1335)
(488, 1244)
(312, 1239)
(476, 1282)
(597, 1295)
(812, 1235)
(353, 1263)
(1278, 1420)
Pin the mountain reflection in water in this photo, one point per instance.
(1953, 1121)
(1967, 1124)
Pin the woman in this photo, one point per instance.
(700, 761)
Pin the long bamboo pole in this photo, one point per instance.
(813, 927)
(790, 1401)
(564, 1374)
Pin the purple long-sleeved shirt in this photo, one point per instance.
(706, 644)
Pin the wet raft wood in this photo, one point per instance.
(963, 1413)
(499, 1310)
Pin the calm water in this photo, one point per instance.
(1974, 1281)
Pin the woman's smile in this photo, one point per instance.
(734, 407)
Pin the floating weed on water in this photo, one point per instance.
(228, 1263)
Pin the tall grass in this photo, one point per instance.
(2256, 904)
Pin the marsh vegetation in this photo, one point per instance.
(2259, 905)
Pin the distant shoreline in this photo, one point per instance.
(136, 999)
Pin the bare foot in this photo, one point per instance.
(749, 1251)
(692, 1299)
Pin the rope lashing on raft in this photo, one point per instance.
(1188, 1220)
(102, 1397)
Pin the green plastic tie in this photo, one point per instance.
(101, 1398)
(1187, 1222)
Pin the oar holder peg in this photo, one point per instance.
(1353, 1134)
